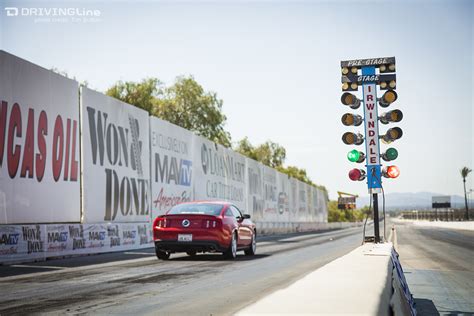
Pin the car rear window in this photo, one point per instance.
(205, 209)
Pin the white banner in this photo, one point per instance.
(116, 165)
(39, 144)
(219, 173)
(255, 197)
(294, 205)
(171, 165)
(270, 211)
(37, 242)
(283, 198)
(302, 202)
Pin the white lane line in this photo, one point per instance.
(36, 267)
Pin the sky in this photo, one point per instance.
(276, 66)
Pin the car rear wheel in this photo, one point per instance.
(253, 247)
(231, 252)
(162, 255)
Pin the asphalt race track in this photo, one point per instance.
(135, 282)
(439, 268)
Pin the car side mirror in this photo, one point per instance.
(246, 216)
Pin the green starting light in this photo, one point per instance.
(355, 156)
(390, 154)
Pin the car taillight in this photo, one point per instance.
(210, 223)
(160, 222)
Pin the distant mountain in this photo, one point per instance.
(411, 201)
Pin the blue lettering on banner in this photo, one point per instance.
(9, 239)
(185, 172)
(167, 170)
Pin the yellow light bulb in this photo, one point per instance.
(345, 86)
(383, 85)
(391, 67)
(392, 84)
(382, 68)
(354, 85)
(354, 70)
(345, 71)
(390, 96)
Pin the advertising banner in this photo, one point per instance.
(302, 202)
(22, 242)
(310, 203)
(219, 174)
(283, 197)
(39, 144)
(116, 160)
(294, 204)
(270, 211)
(255, 199)
(317, 211)
(171, 165)
(37, 242)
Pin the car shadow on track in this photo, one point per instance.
(218, 257)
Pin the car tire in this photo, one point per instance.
(162, 255)
(191, 253)
(231, 252)
(253, 247)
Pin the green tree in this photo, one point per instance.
(246, 148)
(335, 214)
(297, 173)
(464, 173)
(143, 95)
(273, 155)
(269, 153)
(185, 104)
(354, 215)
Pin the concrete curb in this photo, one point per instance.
(365, 281)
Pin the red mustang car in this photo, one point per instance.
(208, 226)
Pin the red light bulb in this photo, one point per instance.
(354, 174)
(393, 172)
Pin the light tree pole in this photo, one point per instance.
(464, 173)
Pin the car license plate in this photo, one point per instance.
(185, 237)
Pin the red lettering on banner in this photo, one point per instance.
(371, 133)
(372, 142)
(373, 160)
(68, 140)
(58, 137)
(74, 164)
(370, 106)
(369, 88)
(372, 151)
(371, 123)
(370, 97)
(28, 149)
(31, 150)
(41, 156)
(13, 156)
(3, 127)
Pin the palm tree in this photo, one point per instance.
(464, 173)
